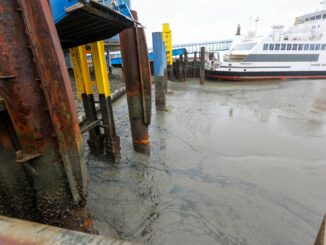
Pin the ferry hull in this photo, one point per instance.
(254, 76)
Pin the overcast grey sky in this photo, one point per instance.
(207, 20)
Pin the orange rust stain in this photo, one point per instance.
(5, 140)
(133, 93)
(87, 226)
(141, 142)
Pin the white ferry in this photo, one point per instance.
(296, 53)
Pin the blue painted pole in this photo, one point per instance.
(159, 51)
(160, 66)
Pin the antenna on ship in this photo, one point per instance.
(238, 30)
(256, 26)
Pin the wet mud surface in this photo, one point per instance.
(231, 163)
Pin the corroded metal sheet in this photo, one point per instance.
(36, 89)
(2, 104)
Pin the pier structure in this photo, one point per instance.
(44, 173)
(219, 45)
(44, 176)
(178, 49)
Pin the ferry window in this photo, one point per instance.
(306, 47)
(277, 46)
(300, 47)
(324, 16)
(317, 47)
(265, 46)
(245, 46)
(312, 46)
(313, 18)
(323, 47)
(289, 46)
(318, 17)
(307, 19)
(295, 47)
(283, 46)
(271, 47)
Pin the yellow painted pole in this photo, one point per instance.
(167, 39)
(77, 72)
(81, 70)
(100, 67)
(85, 92)
(111, 140)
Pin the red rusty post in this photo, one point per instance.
(138, 84)
(35, 85)
(195, 65)
(181, 68)
(186, 70)
(202, 65)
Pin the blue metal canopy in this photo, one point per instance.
(80, 22)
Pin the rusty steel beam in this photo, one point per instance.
(202, 65)
(38, 96)
(186, 63)
(195, 65)
(138, 84)
(11, 174)
(2, 105)
(14, 231)
(181, 68)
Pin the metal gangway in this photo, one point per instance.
(210, 46)
(191, 48)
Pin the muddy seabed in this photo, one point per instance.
(231, 163)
